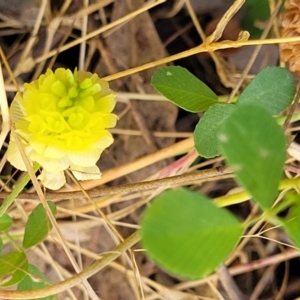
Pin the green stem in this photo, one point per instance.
(10, 238)
(244, 196)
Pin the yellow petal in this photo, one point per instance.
(110, 121)
(85, 158)
(105, 141)
(86, 83)
(106, 103)
(25, 135)
(89, 173)
(81, 75)
(37, 146)
(58, 88)
(52, 180)
(50, 165)
(75, 143)
(54, 152)
(14, 155)
(37, 124)
(40, 142)
(15, 110)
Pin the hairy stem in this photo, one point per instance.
(132, 187)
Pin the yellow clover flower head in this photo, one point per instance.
(62, 118)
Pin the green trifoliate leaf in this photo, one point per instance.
(273, 89)
(13, 268)
(186, 234)
(38, 225)
(5, 222)
(206, 131)
(183, 88)
(254, 147)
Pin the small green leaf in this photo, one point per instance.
(273, 89)
(291, 222)
(254, 147)
(205, 134)
(35, 280)
(187, 235)
(5, 222)
(37, 226)
(183, 88)
(13, 268)
(1, 244)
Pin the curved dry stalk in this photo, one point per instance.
(234, 8)
(202, 35)
(199, 49)
(77, 278)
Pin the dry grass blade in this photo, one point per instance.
(5, 128)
